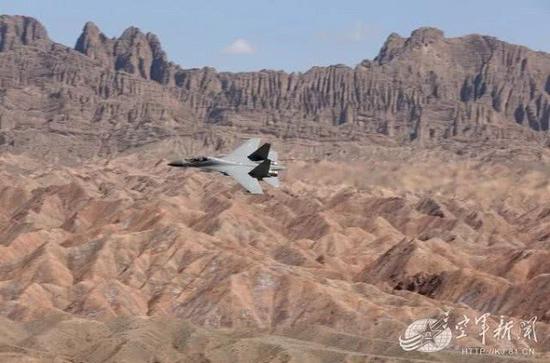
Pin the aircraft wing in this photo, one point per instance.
(240, 174)
(241, 153)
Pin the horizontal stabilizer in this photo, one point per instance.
(272, 180)
(241, 175)
(273, 156)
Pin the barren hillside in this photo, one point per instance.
(416, 183)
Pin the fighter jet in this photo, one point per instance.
(247, 164)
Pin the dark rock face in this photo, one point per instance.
(134, 52)
(425, 88)
(429, 207)
(20, 30)
(95, 44)
(423, 283)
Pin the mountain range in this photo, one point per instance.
(107, 95)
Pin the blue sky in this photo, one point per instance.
(290, 35)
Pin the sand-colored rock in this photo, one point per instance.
(416, 182)
(360, 257)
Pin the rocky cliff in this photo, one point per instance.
(109, 95)
(20, 30)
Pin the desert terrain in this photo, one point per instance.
(330, 267)
(409, 191)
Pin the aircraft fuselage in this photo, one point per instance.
(211, 163)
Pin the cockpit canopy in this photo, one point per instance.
(197, 159)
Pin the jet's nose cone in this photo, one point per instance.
(177, 163)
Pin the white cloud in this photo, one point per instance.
(239, 46)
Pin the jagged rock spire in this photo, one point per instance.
(21, 30)
(134, 52)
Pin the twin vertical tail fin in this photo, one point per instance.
(262, 170)
(261, 154)
(269, 157)
(249, 151)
